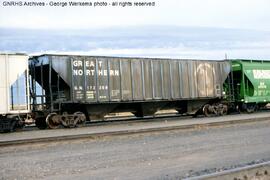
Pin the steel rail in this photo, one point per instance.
(255, 171)
(119, 119)
(131, 118)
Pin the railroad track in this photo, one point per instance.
(120, 119)
(260, 171)
(125, 128)
(132, 118)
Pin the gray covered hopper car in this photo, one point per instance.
(95, 86)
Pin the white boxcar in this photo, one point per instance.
(14, 84)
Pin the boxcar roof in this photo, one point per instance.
(124, 57)
(250, 60)
(19, 54)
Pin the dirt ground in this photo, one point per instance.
(160, 155)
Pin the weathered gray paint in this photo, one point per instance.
(106, 79)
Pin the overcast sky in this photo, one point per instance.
(244, 14)
(173, 28)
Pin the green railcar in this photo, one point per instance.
(251, 83)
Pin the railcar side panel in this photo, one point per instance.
(185, 80)
(3, 85)
(90, 79)
(115, 80)
(14, 87)
(218, 72)
(201, 79)
(105, 79)
(126, 86)
(157, 79)
(78, 79)
(193, 88)
(102, 85)
(253, 78)
(175, 79)
(166, 80)
(148, 80)
(61, 64)
(137, 79)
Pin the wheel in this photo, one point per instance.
(222, 109)
(52, 121)
(207, 110)
(13, 125)
(80, 118)
(251, 108)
